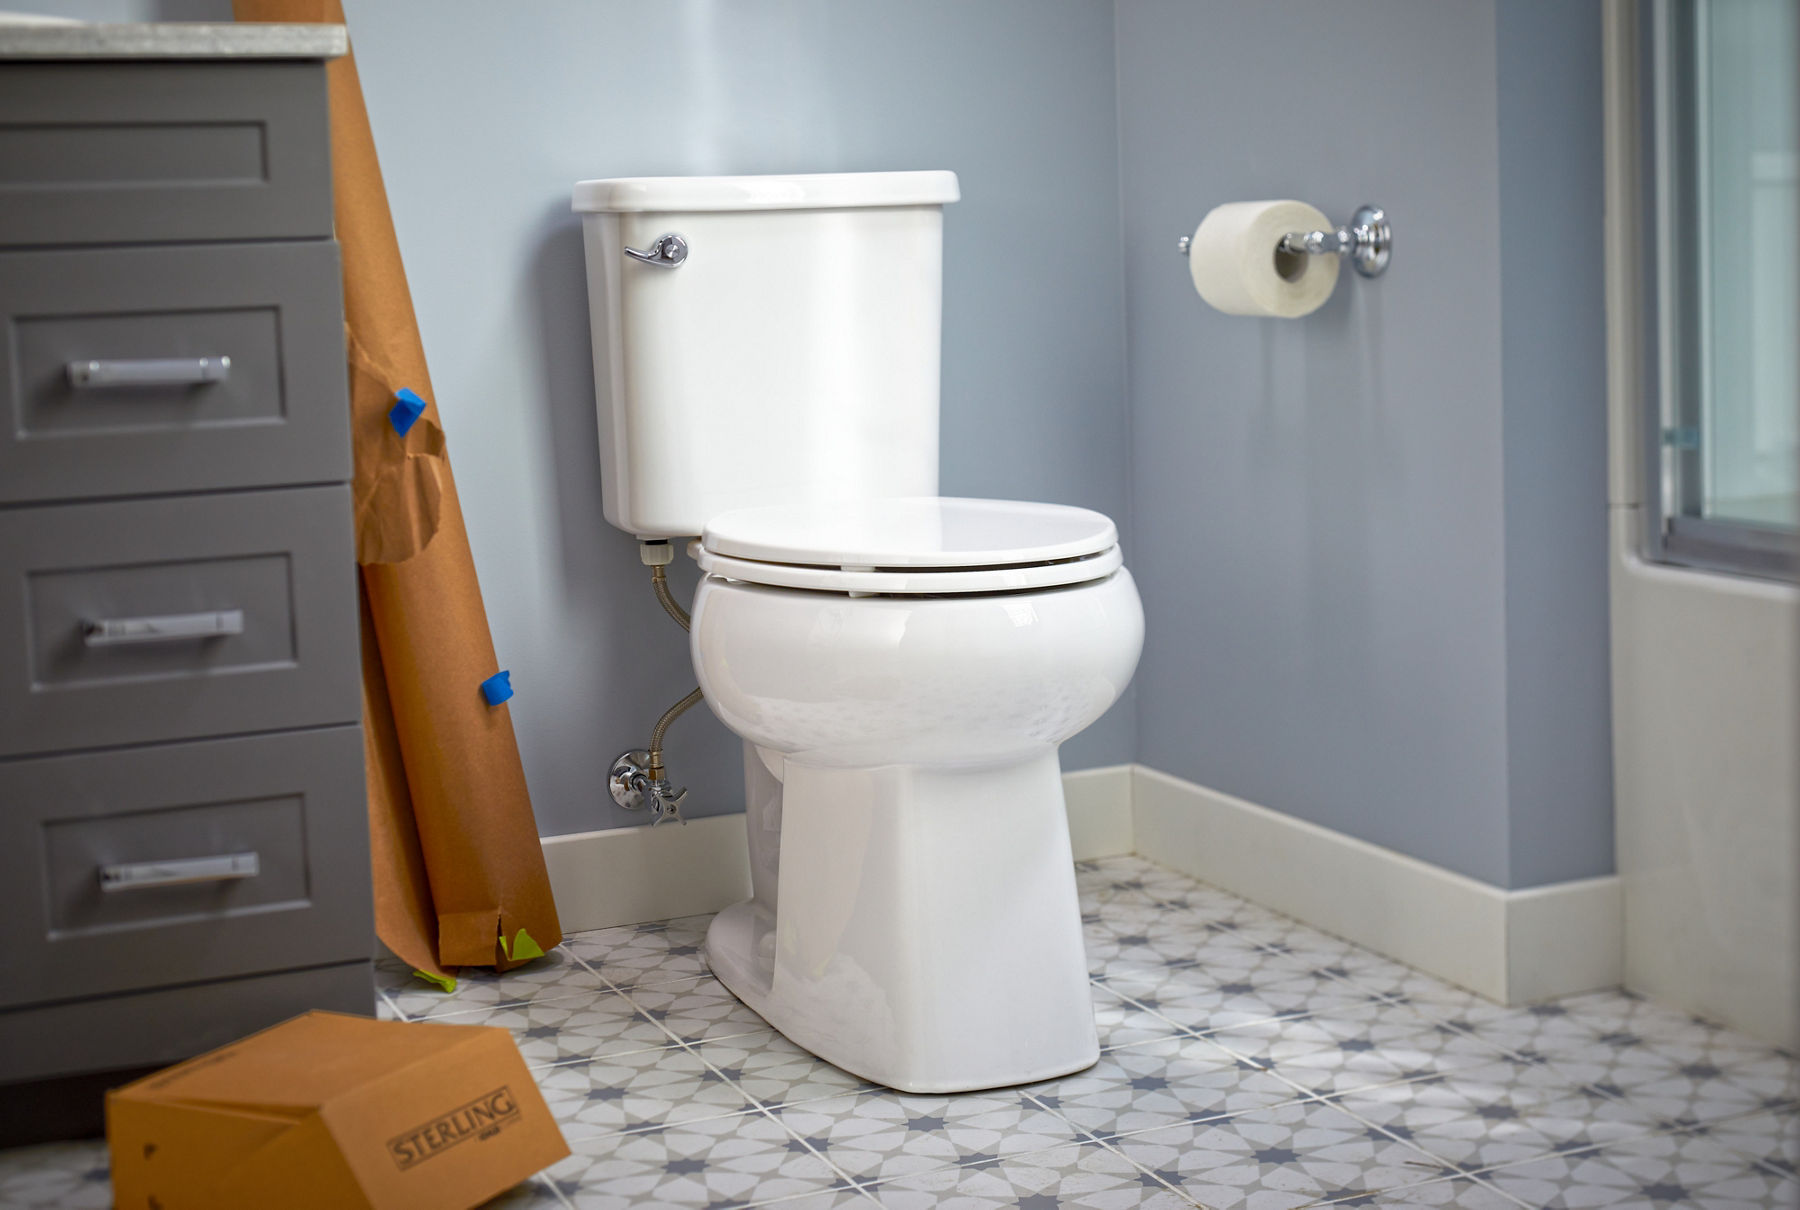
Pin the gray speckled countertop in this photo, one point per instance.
(170, 40)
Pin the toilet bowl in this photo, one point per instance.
(901, 667)
(913, 916)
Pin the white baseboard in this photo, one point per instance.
(1510, 946)
(626, 875)
(1565, 938)
(1099, 803)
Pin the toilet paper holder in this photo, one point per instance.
(1366, 240)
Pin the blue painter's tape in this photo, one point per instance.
(406, 411)
(497, 688)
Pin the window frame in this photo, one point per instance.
(1674, 531)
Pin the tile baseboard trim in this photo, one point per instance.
(1100, 816)
(630, 875)
(627, 875)
(1513, 947)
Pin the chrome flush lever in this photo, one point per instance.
(667, 252)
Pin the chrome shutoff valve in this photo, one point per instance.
(635, 789)
(665, 801)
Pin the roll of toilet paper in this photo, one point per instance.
(1238, 267)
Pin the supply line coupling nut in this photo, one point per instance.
(656, 552)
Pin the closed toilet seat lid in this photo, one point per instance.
(912, 545)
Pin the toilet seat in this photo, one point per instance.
(914, 545)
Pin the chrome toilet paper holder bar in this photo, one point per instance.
(1366, 241)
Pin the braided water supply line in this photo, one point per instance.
(659, 581)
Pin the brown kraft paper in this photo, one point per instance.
(459, 871)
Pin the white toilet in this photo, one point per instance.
(901, 667)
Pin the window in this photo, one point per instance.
(1724, 439)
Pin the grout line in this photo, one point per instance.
(1090, 1138)
(1450, 1168)
(755, 1103)
(391, 1006)
(562, 1199)
(638, 1128)
(1477, 1181)
(1158, 1177)
(854, 1190)
(498, 1006)
(849, 1180)
(674, 1037)
(596, 1058)
(645, 984)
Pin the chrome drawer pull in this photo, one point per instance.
(112, 632)
(154, 372)
(137, 875)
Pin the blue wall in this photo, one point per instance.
(1553, 337)
(1323, 496)
(483, 123)
(1371, 542)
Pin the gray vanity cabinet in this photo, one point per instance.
(183, 834)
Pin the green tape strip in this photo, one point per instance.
(441, 982)
(524, 947)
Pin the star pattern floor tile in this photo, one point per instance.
(637, 1091)
(1457, 1193)
(1249, 1062)
(1046, 1180)
(774, 1072)
(1770, 1136)
(557, 975)
(1125, 1022)
(578, 1028)
(1655, 1173)
(720, 1162)
(1478, 1119)
(1275, 1159)
(697, 1010)
(662, 951)
(1347, 1047)
(1160, 1083)
(879, 1136)
(56, 1175)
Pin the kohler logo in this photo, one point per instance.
(481, 1118)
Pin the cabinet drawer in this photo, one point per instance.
(141, 370)
(175, 617)
(100, 153)
(158, 818)
(163, 1026)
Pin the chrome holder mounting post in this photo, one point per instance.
(1366, 241)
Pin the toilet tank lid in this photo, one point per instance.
(817, 191)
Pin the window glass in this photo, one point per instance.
(1749, 312)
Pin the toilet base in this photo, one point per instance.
(924, 931)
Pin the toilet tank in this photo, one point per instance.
(792, 356)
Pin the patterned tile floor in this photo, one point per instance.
(1249, 1062)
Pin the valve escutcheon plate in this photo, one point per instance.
(624, 778)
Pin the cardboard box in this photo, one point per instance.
(328, 1110)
